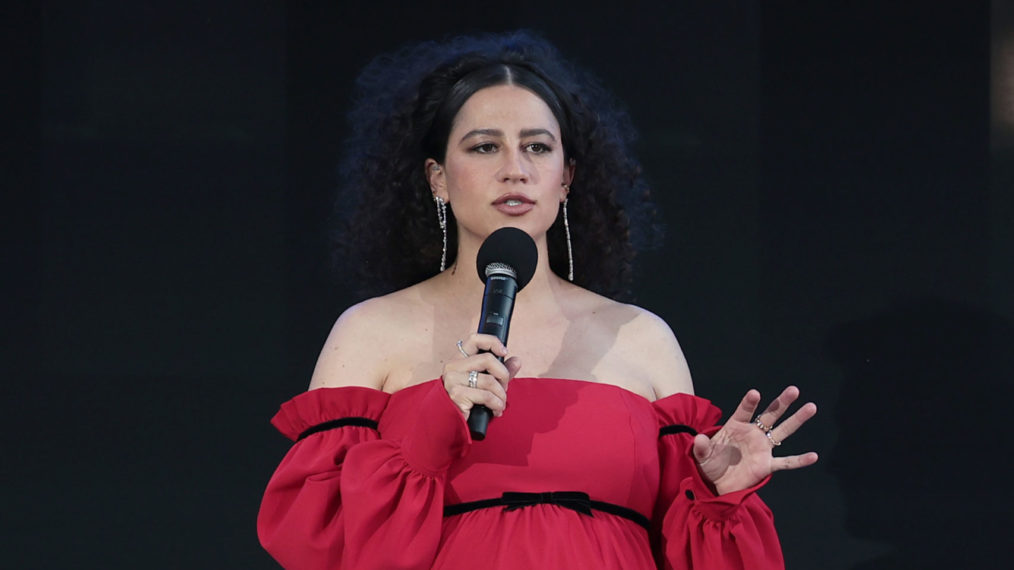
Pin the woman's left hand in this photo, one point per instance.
(740, 454)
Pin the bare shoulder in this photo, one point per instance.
(646, 345)
(354, 352)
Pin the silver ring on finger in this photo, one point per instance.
(760, 424)
(473, 378)
(771, 438)
(461, 349)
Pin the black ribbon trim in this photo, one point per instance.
(573, 500)
(676, 428)
(340, 422)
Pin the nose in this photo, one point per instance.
(514, 167)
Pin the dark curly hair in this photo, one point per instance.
(404, 105)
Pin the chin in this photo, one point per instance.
(526, 224)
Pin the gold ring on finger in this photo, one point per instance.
(771, 438)
(761, 425)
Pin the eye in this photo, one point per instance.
(484, 148)
(538, 148)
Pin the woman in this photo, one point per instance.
(599, 455)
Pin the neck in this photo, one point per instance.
(462, 280)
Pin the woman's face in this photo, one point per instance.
(504, 164)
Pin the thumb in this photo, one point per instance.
(702, 447)
(513, 364)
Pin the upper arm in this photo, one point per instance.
(350, 354)
(659, 355)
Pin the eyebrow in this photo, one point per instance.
(498, 133)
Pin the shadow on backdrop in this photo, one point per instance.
(921, 454)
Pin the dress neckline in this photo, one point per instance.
(585, 382)
(605, 385)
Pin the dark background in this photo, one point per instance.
(835, 181)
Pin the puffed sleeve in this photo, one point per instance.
(699, 529)
(363, 485)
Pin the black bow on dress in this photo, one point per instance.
(573, 500)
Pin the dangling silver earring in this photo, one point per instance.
(570, 253)
(442, 220)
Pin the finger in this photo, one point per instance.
(513, 365)
(795, 421)
(492, 366)
(476, 343)
(747, 406)
(465, 398)
(479, 396)
(490, 384)
(485, 362)
(482, 382)
(456, 392)
(702, 448)
(778, 406)
(793, 461)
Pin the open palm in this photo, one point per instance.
(739, 455)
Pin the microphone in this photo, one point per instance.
(505, 263)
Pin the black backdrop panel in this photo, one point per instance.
(835, 218)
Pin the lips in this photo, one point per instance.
(514, 204)
(513, 199)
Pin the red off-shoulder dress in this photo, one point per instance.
(596, 477)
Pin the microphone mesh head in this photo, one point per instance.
(497, 268)
(510, 247)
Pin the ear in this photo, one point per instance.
(568, 178)
(435, 176)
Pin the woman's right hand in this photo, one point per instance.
(491, 381)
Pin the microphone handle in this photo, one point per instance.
(479, 417)
(495, 319)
